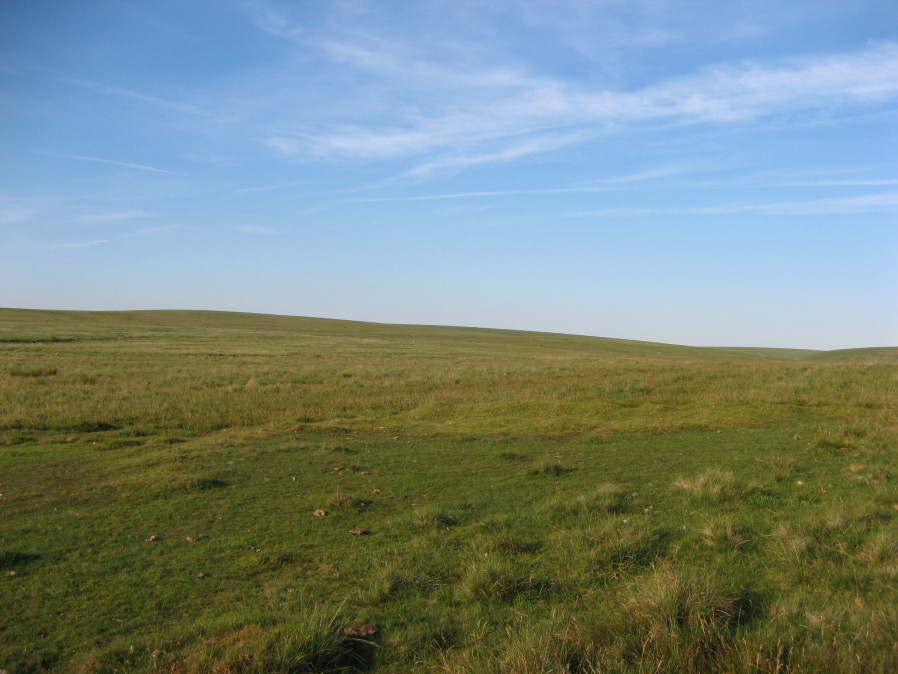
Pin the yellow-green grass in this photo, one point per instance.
(532, 502)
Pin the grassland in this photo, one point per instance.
(532, 502)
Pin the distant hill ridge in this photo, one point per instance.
(23, 325)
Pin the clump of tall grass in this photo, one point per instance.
(837, 547)
(296, 639)
(782, 468)
(206, 483)
(314, 640)
(559, 647)
(842, 437)
(339, 449)
(264, 562)
(606, 499)
(33, 371)
(618, 548)
(880, 553)
(714, 485)
(550, 469)
(516, 546)
(439, 518)
(667, 622)
(679, 622)
(346, 502)
(497, 581)
(424, 637)
(513, 457)
(842, 637)
(397, 581)
(14, 438)
(725, 536)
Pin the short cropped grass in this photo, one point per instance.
(204, 492)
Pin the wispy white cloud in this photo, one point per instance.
(114, 216)
(508, 152)
(488, 193)
(79, 244)
(90, 243)
(146, 16)
(14, 210)
(835, 206)
(98, 160)
(642, 176)
(604, 185)
(252, 229)
(137, 96)
(871, 182)
(150, 231)
(270, 188)
(460, 117)
(272, 20)
(751, 90)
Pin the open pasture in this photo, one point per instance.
(523, 502)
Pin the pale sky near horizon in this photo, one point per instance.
(687, 172)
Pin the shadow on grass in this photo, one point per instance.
(93, 427)
(517, 547)
(10, 559)
(206, 483)
(550, 470)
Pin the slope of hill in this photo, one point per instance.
(29, 325)
(220, 492)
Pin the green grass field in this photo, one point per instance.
(530, 502)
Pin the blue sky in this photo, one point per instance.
(687, 172)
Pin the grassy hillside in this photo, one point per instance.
(870, 355)
(791, 354)
(529, 502)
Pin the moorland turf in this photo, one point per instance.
(531, 502)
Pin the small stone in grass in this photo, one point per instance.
(319, 513)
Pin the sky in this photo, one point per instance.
(688, 172)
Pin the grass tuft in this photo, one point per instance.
(606, 499)
(513, 457)
(683, 621)
(782, 468)
(439, 518)
(398, 581)
(517, 547)
(725, 536)
(36, 371)
(504, 583)
(617, 549)
(206, 483)
(550, 469)
(93, 427)
(714, 485)
(880, 553)
(563, 649)
(346, 502)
